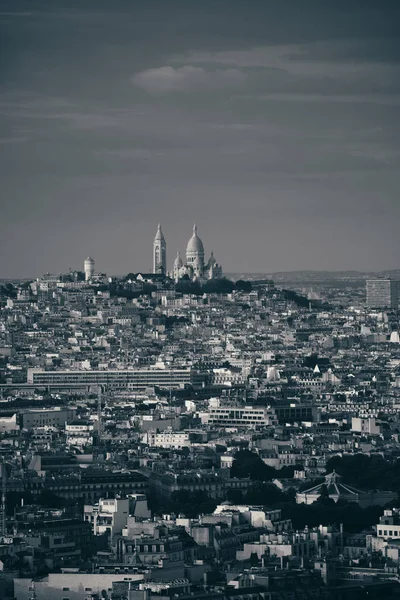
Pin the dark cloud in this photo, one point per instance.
(274, 126)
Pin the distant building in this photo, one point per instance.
(37, 417)
(108, 516)
(236, 416)
(214, 483)
(365, 425)
(166, 439)
(93, 485)
(133, 379)
(389, 525)
(290, 412)
(159, 253)
(382, 293)
(66, 537)
(77, 586)
(89, 268)
(195, 267)
(79, 433)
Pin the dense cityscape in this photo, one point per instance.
(185, 434)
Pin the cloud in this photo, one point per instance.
(187, 79)
(379, 99)
(319, 60)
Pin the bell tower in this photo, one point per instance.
(159, 253)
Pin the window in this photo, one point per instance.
(65, 589)
(88, 589)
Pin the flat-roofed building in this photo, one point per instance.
(239, 416)
(39, 417)
(382, 293)
(117, 379)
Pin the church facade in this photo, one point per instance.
(195, 266)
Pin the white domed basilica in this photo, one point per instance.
(195, 266)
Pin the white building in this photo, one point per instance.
(256, 516)
(79, 433)
(196, 267)
(243, 416)
(8, 424)
(108, 516)
(389, 525)
(166, 439)
(366, 425)
(116, 379)
(89, 268)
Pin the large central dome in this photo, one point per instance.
(195, 245)
(195, 253)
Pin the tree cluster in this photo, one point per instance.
(248, 464)
(325, 511)
(190, 504)
(303, 301)
(367, 472)
(212, 286)
(8, 290)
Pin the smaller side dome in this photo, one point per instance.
(211, 261)
(178, 261)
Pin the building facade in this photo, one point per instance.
(382, 293)
(235, 416)
(132, 379)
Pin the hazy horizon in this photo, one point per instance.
(272, 126)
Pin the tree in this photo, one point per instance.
(254, 559)
(243, 286)
(8, 290)
(264, 494)
(367, 472)
(218, 286)
(324, 497)
(249, 464)
(191, 504)
(235, 496)
(185, 286)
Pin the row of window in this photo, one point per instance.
(389, 532)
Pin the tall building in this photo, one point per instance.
(382, 293)
(89, 268)
(196, 267)
(159, 252)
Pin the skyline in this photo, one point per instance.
(274, 129)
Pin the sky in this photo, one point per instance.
(274, 126)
